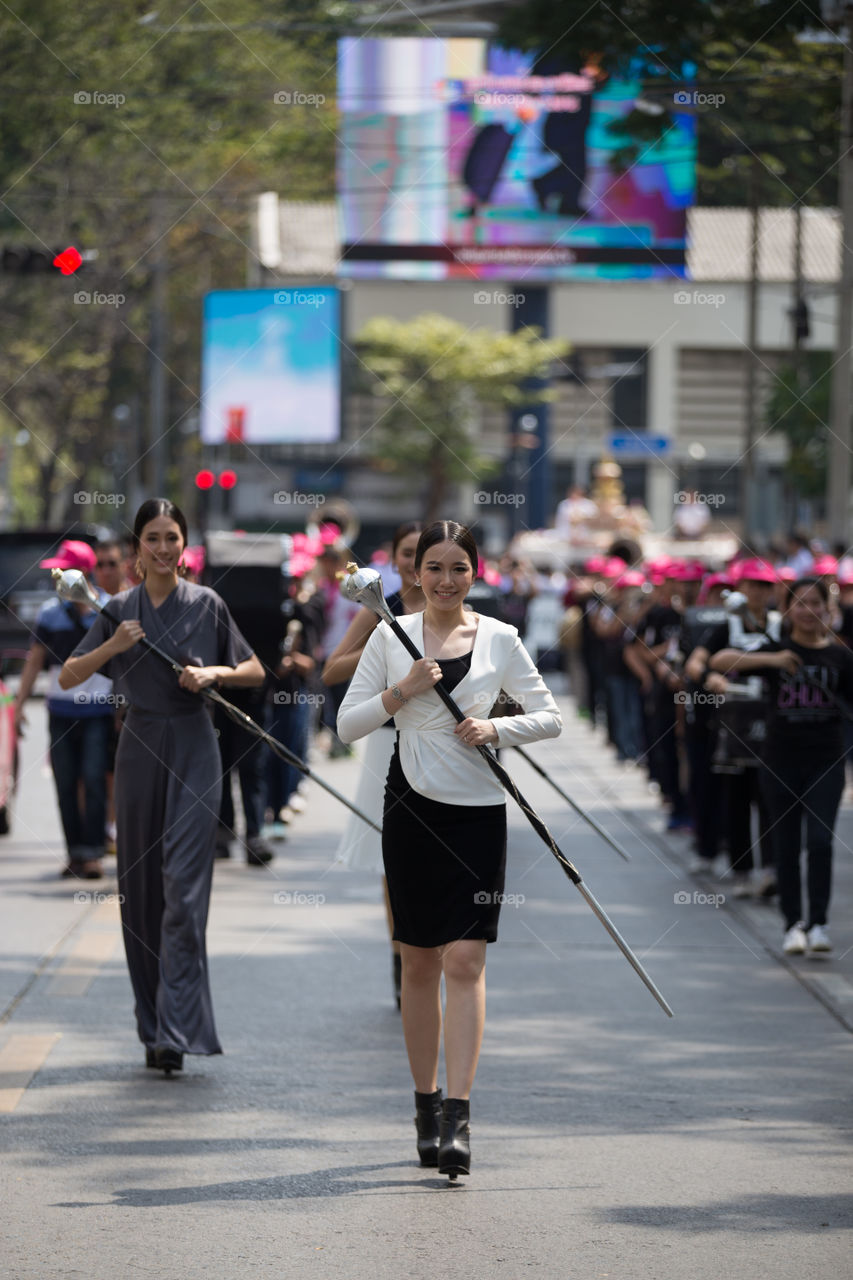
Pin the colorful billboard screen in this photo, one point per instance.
(271, 366)
(458, 159)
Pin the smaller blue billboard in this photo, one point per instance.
(271, 366)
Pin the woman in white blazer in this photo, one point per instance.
(444, 822)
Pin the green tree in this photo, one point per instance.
(197, 135)
(431, 376)
(798, 408)
(769, 94)
(667, 34)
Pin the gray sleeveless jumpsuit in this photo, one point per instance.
(168, 778)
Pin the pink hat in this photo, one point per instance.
(193, 558)
(613, 566)
(595, 564)
(825, 567)
(786, 574)
(630, 578)
(754, 571)
(711, 581)
(72, 555)
(686, 571)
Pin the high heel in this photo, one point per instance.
(454, 1146)
(427, 1123)
(169, 1060)
(398, 985)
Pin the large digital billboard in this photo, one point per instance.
(271, 366)
(458, 159)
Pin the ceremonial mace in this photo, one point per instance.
(364, 586)
(72, 585)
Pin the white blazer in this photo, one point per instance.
(435, 762)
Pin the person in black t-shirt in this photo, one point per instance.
(802, 773)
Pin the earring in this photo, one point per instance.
(417, 582)
(140, 570)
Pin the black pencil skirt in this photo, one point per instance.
(445, 865)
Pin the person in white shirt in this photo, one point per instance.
(444, 823)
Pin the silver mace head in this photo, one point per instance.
(71, 584)
(735, 602)
(364, 586)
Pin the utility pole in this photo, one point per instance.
(157, 343)
(838, 481)
(747, 475)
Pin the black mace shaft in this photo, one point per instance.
(538, 825)
(79, 590)
(587, 817)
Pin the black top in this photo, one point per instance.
(805, 716)
(662, 622)
(453, 670)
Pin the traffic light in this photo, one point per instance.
(227, 482)
(204, 480)
(24, 260)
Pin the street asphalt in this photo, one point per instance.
(608, 1140)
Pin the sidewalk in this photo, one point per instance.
(596, 779)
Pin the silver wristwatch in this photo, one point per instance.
(396, 693)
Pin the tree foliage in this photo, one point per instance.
(172, 167)
(798, 408)
(431, 377)
(767, 91)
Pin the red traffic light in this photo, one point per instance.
(227, 479)
(204, 479)
(68, 261)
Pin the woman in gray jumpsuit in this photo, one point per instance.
(168, 778)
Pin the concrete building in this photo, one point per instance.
(667, 360)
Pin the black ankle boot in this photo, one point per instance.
(169, 1060)
(427, 1122)
(454, 1148)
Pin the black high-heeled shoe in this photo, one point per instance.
(454, 1146)
(427, 1123)
(150, 1057)
(169, 1060)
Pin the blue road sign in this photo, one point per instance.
(638, 445)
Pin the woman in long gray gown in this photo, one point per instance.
(168, 778)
